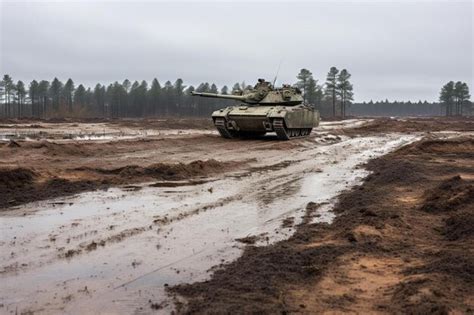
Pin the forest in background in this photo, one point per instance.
(333, 98)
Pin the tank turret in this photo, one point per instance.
(263, 94)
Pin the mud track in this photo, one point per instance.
(58, 157)
(402, 242)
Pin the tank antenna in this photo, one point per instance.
(276, 76)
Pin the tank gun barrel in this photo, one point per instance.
(214, 95)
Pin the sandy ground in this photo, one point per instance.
(179, 206)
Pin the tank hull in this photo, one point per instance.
(251, 121)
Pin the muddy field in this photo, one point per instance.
(365, 215)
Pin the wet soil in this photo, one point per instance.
(207, 198)
(162, 123)
(401, 242)
(431, 124)
(22, 185)
(63, 167)
(74, 166)
(126, 243)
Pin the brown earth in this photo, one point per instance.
(21, 185)
(402, 242)
(407, 125)
(163, 123)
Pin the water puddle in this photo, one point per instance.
(63, 132)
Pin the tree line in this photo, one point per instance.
(334, 97)
(42, 99)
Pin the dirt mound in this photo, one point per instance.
(459, 226)
(449, 195)
(11, 179)
(463, 146)
(52, 148)
(21, 185)
(253, 278)
(13, 144)
(68, 187)
(455, 264)
(418, 297)
(183, 171)
(162, 171)
(382, 125)
(393, 170)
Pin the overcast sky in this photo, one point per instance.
(400, 50)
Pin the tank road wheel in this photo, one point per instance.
(296, 132)
(306, 131)
(280, 129)
(222, 128)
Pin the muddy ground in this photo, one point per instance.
(402, 242)
(54, 163)
(189, 203)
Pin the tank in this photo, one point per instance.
(265, 109)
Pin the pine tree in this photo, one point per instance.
(123, 92)
(142, 108)
(303, 79)
(99, 99)
(133, 99)
(55, 91)
(33, 93)
(43, 88)
(314, 93)
(461, 94)
(331, 87)
(80, 96)
(447, 96)
(9, 90)
(236, 89)
(464, 98)
(68, 92)
(154, 96)
(21, 94)
(127, 85)
(225, 90)
(344, 90)
(168, 97)
(178, 92)
(118, 98)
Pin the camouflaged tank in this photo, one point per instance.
(265, 109)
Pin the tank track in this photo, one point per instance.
(286, 134)
(222, 128)
(280, 129)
